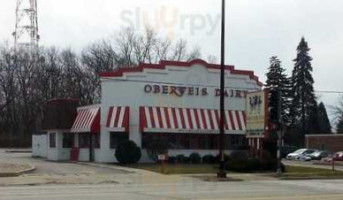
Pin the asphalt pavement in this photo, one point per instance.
(54, 168)
(72, 181)
(245, 190)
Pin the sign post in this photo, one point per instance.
(280, 129)
(257, 114)
(257, 118)
(162, 158)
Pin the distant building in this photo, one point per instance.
(330, 142)
(174, 101)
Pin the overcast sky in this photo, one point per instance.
(256, 30)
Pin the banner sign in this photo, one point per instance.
(257, 114)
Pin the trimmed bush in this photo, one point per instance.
(269, 162)
(226, 158)
(182, 159)
(208, 159)
(156, 147)
(239, 154)
(244, 161)
(128, 152)
(172, 159)
(194, 158)
(240, 165)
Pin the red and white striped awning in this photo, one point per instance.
(87, 120)
(189, 120)
(118, 119)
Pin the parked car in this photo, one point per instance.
(318, 155)
(338, 156)
(327, 159)
(287, 149)
(300, 154)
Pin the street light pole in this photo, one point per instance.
(222, 173)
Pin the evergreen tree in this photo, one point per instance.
(340, 125)
(304, 106)
(277, 80)
(323, 119)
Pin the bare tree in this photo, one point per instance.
(27, 82)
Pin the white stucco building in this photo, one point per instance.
(174, 101)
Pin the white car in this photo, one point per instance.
(300, 154)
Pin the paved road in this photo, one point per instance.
(246, 190)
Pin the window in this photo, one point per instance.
(96, 141)
(52, 140)
(190, 141)
(117, 138)
(68, 140)
(84, 140)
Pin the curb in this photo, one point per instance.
(18, 151)
(15, 174)
(126, 169)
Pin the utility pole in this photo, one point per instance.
(222, 173)
(279, 131)
(26, 26)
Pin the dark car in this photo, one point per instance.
(318, 155)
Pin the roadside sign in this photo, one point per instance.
(162, 157)
(257, 114)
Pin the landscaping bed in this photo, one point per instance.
(178, 168)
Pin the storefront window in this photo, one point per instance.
(84, 140)
(96, 141)
(68, 140)
(117, 138)
(191, 141)
(52, 140)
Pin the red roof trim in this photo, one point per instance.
(164, 63)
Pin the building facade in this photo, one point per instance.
(176, 102)
(328, 142)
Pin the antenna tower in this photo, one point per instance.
(26, 26)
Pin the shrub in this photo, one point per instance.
(127, 152)
(226, 158)
(208, 159)
(243, 165)
(244, 161)
(182, 159)
(172, 159)
(194, 158)
(239, 154)
(155, 147)
(269, 162)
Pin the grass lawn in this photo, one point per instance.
(292, 172)
(178, 168)
(310, 172)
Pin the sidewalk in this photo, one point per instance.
(14, 169)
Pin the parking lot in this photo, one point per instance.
(55, 168)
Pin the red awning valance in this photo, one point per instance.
(87, 120)
(190, 120)
(118, 119)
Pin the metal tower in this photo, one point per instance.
(26, 25)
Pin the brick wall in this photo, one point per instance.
(330, 142)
